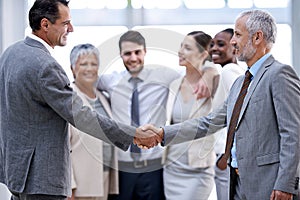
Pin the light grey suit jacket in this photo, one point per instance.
(267, 134)
(36, 104)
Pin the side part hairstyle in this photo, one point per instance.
(44, 9)
(132, 36)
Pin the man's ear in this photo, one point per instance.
(44, 23)
(258, 37)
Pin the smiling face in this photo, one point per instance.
(243, 42)
(221, 50)
(133, 56)
(86, 70)
(56, 34)
(189, 54)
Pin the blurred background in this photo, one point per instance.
(101, 22)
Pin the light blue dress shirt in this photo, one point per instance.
(253, 70)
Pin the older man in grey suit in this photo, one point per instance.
(36, 104)
(264, 157)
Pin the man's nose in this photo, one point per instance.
(133, 56)
(232, 41)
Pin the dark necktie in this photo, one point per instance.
(135, 116)
(222, 162)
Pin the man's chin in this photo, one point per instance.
(135, 70)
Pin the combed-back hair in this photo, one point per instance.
(44, 9)
(229, 31)
(203, 41)
(263, 21)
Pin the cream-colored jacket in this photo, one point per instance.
(87, 159)
(201, 151)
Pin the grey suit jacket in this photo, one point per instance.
(267, 134)
(36, 104)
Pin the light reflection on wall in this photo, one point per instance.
(106, 38)
(173, 4)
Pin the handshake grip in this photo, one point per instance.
(148, 136)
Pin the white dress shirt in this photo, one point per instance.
(153, 94)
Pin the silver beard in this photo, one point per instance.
(248, 52)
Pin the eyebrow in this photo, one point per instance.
(129, 51)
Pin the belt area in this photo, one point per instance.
(143, 165)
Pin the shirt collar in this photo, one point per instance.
(48, 47)
(142, 75)
(256, 66)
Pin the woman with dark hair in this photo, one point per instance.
(223, 54)
(189, 166)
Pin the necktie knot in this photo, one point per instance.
(134, 81)
(248, 75)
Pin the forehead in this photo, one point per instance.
(222, 36)
(189, 40)
(127, 46)
(240, 24)
(87, 56)
(64, 13)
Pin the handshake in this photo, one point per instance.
(148, 136)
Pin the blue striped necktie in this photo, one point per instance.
(135, 115)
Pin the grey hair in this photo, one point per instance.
(82, 49)
(263, 21)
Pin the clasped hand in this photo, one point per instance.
(148, 136)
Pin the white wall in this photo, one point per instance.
(4, 193)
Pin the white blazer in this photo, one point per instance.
(201, 151)
(87, 158)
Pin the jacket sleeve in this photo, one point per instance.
(286, 98)
(195, 128)
(56, 91)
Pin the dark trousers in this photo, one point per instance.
(140, 186)
(236, 192)
(22, 196)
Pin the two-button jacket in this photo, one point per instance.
(36, 104)
(268, 131)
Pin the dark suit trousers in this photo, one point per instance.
(140, 186)
(236, 192)
(36, 197)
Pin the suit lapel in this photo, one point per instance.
(101, 97)
(104, 103)
(254, 84)
(173, 91)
